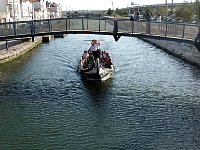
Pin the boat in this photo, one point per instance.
(96, 68)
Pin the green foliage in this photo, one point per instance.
(109, 12)
(154, 12)
(121, 12)
(184, 12)
(160, 9)
(148, 10)
(197, 9)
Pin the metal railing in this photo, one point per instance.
(109, 25)
(162, 29)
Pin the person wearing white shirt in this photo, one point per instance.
(158, 17)
(94, 48)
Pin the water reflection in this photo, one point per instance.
(98, 89)
(151, 103)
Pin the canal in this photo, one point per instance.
(153, 101)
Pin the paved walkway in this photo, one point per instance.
(10, 43)
(16, 48)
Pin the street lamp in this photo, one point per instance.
(113, 8)
(167, 7)
(13, 10)
(32, 11)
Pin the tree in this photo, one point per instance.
(161, 10)
(121, 12)
(197, 9)
(109, 12)
(148, 10)
(184, 12)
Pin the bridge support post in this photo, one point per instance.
(69, 24)
(6, 44)
(132, 26)
(183, 31)
(14, 27)
(82, 25)
(115, 31)
(32, 27)
(66, 24)
(99, 25)
(87, 24)
(105, 24)
(197, 41)
(50, 25)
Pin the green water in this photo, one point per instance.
(152, 102)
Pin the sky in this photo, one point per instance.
(105, 4)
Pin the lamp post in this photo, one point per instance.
(167, 8)
(113, 8)
(13, 10)
(32, 11)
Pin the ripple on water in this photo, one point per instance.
(151, 103)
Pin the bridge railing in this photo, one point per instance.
(75, 24)
(163, 29)
(51, 26)
(55, 25)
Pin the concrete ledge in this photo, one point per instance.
(47, 38)
(184, 51)
(18, 50)
(59, 35)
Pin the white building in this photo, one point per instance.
(40, 9)
(9, 10)
(26, 10)
(15, 10)
(54, 10)
(22, 10)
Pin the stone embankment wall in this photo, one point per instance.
(184, 51)
(18, 50)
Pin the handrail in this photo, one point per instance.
(116, 27)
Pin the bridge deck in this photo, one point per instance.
(117, 28)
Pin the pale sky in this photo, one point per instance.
(105, 4)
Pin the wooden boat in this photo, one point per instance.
(100, 68)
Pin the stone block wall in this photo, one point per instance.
(184, 51)
(18, 50)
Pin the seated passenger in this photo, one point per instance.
(107, 62)
(85, 55)
(91, 60)
(85, 59)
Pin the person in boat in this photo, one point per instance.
(95, 48)
(85, 57)
(104, 54)
(90, 60)
(97, 43)
(107, 62)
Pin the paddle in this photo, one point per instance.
(91, 40)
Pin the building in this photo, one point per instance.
(26, 10)
(167, 6)
(54, 10)
(15, 10)
(9, 10)
(23, 10)
(40, 9)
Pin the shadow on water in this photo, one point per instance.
(20, 61)
(98, 90)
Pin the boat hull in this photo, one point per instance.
(97, 72)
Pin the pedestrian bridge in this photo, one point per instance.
(105, 26)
